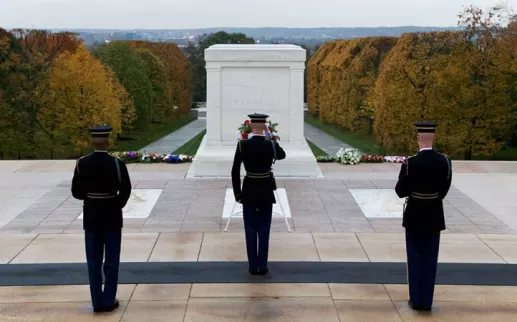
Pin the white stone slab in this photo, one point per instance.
(229, 202)
(140, 204)
(379, 203)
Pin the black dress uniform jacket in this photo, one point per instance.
(97, 182)
(425, 179)
(257, 155)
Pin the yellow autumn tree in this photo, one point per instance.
(83, 93)
(446, 77)
(314, 77)
(406, 91)
(351, 69)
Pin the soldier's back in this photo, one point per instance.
(257, 154)
(429, 180)
(100, 180)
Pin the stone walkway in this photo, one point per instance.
(259, 302)
(322, 140)
(41, 234)
(176, 139)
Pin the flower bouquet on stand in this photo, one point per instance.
(244, 131)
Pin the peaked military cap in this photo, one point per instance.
(258, 118)
(100, 131)
(426, 127)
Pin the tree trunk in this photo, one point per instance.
(468, 153)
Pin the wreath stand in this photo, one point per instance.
(282, 214)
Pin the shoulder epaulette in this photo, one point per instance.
(407, 163)
(77, 163)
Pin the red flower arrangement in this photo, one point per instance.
(365, 158)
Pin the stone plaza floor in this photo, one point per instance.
(343, 261)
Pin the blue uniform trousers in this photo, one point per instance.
(422, 259)
(97, 244)
(257, 224)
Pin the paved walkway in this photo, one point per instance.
(176, 139)
(338, 264)
(322, 140)
(266, 302)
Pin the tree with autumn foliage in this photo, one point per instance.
(347, 75)
(449, 78)
(496, 26)
(405, 87)
(315, 77)
(27, 55)
(82, 92)
(157, 75)
(176, 88)
(131, 71)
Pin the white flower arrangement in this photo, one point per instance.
(348, 156)
(394, 159)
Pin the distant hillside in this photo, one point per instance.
(310, 36)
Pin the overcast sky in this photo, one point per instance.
(176, 14)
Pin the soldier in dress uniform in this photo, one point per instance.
(424, 180)
(103, 183)
(257, 194)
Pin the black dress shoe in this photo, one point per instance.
(98, 309)
(418, 308)
(113, 307)
(253, 271)
(263, 272)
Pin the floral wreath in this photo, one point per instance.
(244, 131)
(139, 157)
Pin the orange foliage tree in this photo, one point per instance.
(83, 92)
(177, 92)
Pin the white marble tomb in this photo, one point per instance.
(245, 79)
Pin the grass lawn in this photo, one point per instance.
(364, 143)
(135, 140)
(190, 148)
(315, 150)
(505, 154)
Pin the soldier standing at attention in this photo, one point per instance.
(102, 181)
(424, 180)
(257, 195)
